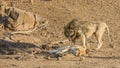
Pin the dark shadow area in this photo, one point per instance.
(10, 48)
(5, 23)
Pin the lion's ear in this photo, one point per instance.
(7, 10)
(14, 15)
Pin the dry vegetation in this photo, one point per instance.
(27, 51)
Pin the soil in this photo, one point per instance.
(26, 51)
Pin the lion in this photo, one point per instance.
(18, 20)
(84, 29)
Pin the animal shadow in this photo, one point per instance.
(10, 48)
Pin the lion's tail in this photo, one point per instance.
(108, 32)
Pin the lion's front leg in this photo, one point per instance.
(82, 35)
(83, 40)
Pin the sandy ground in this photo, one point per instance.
(59, 13)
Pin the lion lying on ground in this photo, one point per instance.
(19, 20)
(84, 29)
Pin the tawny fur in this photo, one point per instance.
(85, 29)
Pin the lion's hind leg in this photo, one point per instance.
(99, 35)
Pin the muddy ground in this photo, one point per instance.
(24, 51)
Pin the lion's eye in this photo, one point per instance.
(71, 32)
